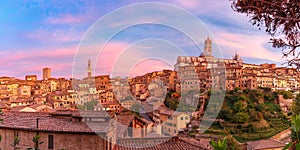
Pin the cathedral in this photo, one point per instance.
(206, 71)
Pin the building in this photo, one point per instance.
(175, 122)
(24, 90)
(206, 71)
(59, 130)
(30, 77)
(89, 69)
(46, 73)
(62, 99)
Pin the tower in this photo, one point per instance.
(89, 68)
(46, 73)
(208, 47)
(237, 57)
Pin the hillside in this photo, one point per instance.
(250, 115)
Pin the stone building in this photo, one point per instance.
(59, 130)
(206, 71)
(46, 73)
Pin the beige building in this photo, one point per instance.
(24, 90)
(30, 77)
(62, 99)
(206, 71)
(175, 122)
(46, 73)
(127, 103)
(280, 82)
(265, 81)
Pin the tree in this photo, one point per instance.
(280, 19)
(36, 141)
(220, 145)
(296, 105)
(16, 142)
(241, 117)
(286, 94)
(90, 105)
(226, 113)
(232, 143)
(295, 133)
(171, 103)
(238, 106)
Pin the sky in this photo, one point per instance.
(39, 33)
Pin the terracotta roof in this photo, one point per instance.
(18, 108)
(49, 123)
(265, 144)
(20, 99)
(169, 145)
(167, 112)
(77, 113)
(162, 107)
(3, 105)
(123, 122)
(35, 106)
(125, 119)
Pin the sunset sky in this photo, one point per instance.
(39, 33)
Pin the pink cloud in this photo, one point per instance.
(190, 4)
(68, 19)
(36, 53)
(57, 35)
(246, 46)
(149, 65)
(109, 55)
(32, 61)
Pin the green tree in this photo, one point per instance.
(15, 142)
(296, 105)
(238, 106)
(260, 107)
(80, 107)
(232, 143)
(171, 103)
(226, 113)
(36, 141)
(90, 105)
(253, 115)
(295, 133)
(219, 145)
(286, 94)
(240, 117)
(280, 19)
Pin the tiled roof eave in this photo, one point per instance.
(54, 131)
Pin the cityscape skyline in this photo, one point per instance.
(50, 34)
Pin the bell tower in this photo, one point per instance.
(208, 47)
(89, 68)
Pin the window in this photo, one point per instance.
(50, 142)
